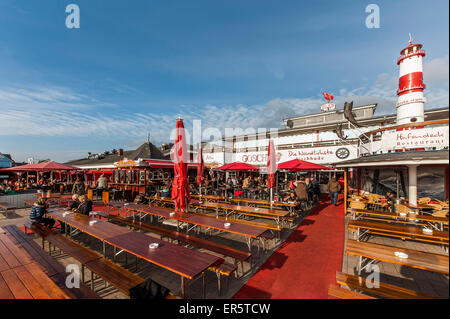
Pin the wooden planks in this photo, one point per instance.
(21, 277)
(178, 259)
(416, 259)
(204, 221)
(384, 290)
(263, 212)
(7, 206)
(194, 241)
(49, 264)
(118, 276)
(181, 260)
(398, 218)
(343, 293)
(100, 230)
(412, 232)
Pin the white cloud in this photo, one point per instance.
(45, 99)
(57, 111)
(435, 73)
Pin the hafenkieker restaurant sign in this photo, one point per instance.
(436, 137)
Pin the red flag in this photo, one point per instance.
(200, 167)
(180, 185)
(327, 96)
(271, 166)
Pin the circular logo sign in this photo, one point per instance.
(342, 153)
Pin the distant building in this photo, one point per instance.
(146, 151)
(6, 160)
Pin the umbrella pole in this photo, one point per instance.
(398, 186)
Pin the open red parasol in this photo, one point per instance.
(238, 166)
(41, 167)
(299, 165)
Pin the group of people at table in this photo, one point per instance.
(300, 190)
(79, 204)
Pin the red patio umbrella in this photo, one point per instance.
(180, 185)
(200, 167)
(271, 169)
(299, 165)
(238, 166)
(41, 167)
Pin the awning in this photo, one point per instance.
(238, 166)
(299, 165)
(395, 159)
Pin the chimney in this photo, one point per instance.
(120, 151)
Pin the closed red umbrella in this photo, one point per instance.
(271, 166)
(180, 185)
(271, 169)
(299, 165)
(200, 167)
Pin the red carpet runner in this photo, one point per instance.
(306, 263)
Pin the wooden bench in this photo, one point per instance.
(5, 208)
(266, 236)
(384, 290)
(117, 276)
(343, 293)
(437, 263)
(398, 231)
(224, 268)
(54, 270)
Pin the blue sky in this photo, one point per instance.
(134, 66)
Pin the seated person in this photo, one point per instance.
(165, 192)
(76, 202)
(38, 211)
(390, 200)
(291, 198)
(229, 187)
(139, 199)
(85, 206)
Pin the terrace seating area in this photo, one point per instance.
(230, 240)
(104, 249)
(407, 249)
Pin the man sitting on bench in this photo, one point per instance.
(76, 202)
(85, 206)
(37, 213)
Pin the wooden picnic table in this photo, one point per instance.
(400, 231)
(246, 200)
(431, 220)
(21, 277)
(7, 206)
(183, 261)
(248, 231)
(420, 206)
(45, 195)
(416, 259)
(101, 230)
(277, 215)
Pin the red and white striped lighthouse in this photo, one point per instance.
(410, 103)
